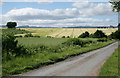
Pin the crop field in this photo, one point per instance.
(72, 32)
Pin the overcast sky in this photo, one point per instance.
(59, 14)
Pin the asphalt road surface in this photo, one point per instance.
(87, 64)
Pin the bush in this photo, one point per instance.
(63, 36)
(99, 34)
(18, 36)
(91, 35)
(68, 36)
(115, 35)
(49, 37)
(84, 35)
(37, 36)
(10, 47)
(28, 35)
(74, 41)
(102, 40)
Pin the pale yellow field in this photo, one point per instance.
(72, 32)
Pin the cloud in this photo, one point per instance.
(61, 22)
(82, 14)
(88, 9)
(30, 13)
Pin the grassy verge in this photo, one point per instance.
(24, 64)
(110, 68)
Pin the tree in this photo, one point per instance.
(115, 35)
(119, 26)
(11, 24)
(115, 5)
(99, 34)
(116, 8)
(84, 35)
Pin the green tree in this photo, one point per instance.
(115, 5)
(11, 24)
(11, 48)
(99, 34)
(116, 8)
(84, 35)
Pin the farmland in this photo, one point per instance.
(41, 51)
(59, 32)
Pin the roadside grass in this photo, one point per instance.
(110, 68)
(23, 64)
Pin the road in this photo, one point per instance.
(87, 64)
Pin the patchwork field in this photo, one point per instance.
(72, 32)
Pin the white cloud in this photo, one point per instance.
(30, 13)
(62, 17)
(94, 9)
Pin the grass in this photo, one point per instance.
(72, 32)
(15, 31)
(32, 41)
(40, 59)
(110, 68)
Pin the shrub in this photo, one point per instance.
(84, 35)
(102, 40)
(28, 35)
(37, 36)
(63, 36)
(49, 37)
(99, 34)
(10, 47)
(68, 36)
(74, 41)
(18, 36)
(91, 35)
(115, 35)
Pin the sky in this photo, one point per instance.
(59, 14)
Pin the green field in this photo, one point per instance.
(32, 41)
(110, 68)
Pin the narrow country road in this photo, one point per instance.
(87, 64)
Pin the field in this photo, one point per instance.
(72, 32)
(32, 41)
(34, 52)
(110, 68)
